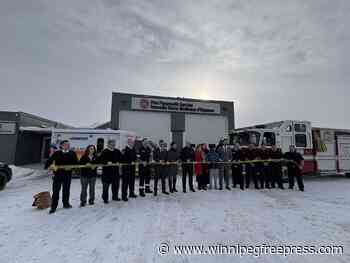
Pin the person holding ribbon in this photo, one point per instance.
(88, 175)
(111, 175)
(62, 177)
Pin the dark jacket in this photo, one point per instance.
(62, 158)
(237, 155)
(293, 156)
(159, 155)
(187, 154)
(88, 172)
(263, 155)
(276, 155)
(251, 154)
(129, 155)
(145, 154)
(163, 155)
(173, 155)
(113, 156)
(156, 154)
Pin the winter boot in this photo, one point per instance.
(142, 193)
(148, 190)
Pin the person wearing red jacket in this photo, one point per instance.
(199, 158)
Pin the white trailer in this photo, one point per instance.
(325, 150)
(79, 139)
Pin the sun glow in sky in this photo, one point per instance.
(203, 94)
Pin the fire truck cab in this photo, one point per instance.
(282, 134)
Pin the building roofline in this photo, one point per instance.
(166, 97)
(43, 119)
(100, 124)
(21, 113)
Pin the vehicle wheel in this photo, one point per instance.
(347, 175)
(3, 180)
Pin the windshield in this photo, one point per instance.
(245, 138)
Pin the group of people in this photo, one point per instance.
(212, 165)
(263, 166)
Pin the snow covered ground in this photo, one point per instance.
(132, 232)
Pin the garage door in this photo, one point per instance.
(151, 125)
(205, 128)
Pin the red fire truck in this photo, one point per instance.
(325, 150)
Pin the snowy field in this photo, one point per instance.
(132, 232)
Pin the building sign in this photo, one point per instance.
(173, 105)
(7, 127)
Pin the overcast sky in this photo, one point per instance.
(276, 59)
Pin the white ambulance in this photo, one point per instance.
(325, 150)
(79, 139)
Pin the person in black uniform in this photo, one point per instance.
(187, 157)
(251, 171)
(62, 178)
(144, 168)
(237, 169)
(205, 168)
(295, 166)
(264, 168)
(172, 168)
(110, 175)
(160, 154)
(88, 176)
(276, 167)
(129, 157)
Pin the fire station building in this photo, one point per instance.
(172, 119)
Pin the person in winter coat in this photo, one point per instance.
(160, 157)
(295, 167)
(173, 158)
(205, 167)
(88, 176)
(187, 157)
(261, 168)
(62, 178)
(129, 158)
(213, 157)
(251, 154)
(225, 154)
(276, 167)
(220, 166)
(110, 175)
(144, 168)
(237, 168)
(199, 158)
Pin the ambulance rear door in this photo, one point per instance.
(324, 144)
(343, 148)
